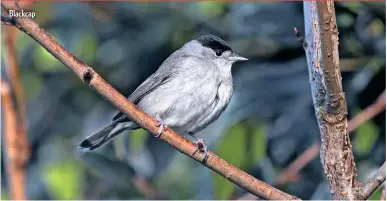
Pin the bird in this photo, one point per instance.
(189, 91)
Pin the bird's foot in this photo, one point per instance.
(202, 147)
(161, 125)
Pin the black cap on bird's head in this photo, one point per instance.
(214, 43)
(219, 46)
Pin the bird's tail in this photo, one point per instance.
(102, 136)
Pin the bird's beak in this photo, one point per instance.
(234, 57)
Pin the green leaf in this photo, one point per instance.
(232, 149)
(23, 41)
(212, 8)
(85, 47)
(366, 136)
(137, 139)
(376, 28)
(258, 143)
(171, 181)
(4, 195)
(32, 83)
(45, 62)
(376, 195)
(110, 169)
(63, 180)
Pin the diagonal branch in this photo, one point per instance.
(7, 20)
(312, 152)
(95, 81)
(368, 187)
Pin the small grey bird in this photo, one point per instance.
(190, 90)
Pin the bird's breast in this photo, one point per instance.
(186, 101)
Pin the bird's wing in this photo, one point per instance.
(160, 77)
(145, 88)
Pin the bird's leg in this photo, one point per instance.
(161, 125)
(201, 146)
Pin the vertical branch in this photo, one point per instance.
(321, 38)
(13, 73)
(14, 76)
(13, 70)
(15, 164)
(16, 140)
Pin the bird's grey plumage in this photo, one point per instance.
(191, 88)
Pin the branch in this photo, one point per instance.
(312, 152)
(147, 189)
(7, 20)
(15, 161)
(13, 70)
(368, 187)
(329, 99)
(18, 149)
(383, 196)
(95, 81)
(291, 172)
(14, 76)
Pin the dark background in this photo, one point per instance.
(269, 122)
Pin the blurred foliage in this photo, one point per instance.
(376, 195)
(269, 122)
(241, 146)
(66, 172)
(367, 133)
(138, 139)
(211, 8)
(4, 196)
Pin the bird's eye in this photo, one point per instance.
(218, 52)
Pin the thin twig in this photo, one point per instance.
(15, 163)
(147, 189)
(291, 172)
(368, 187)
(95, 81)
(300, 37)
(312, 152)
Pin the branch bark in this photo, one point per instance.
(312, 152)
(14, 77)
(15, 162)
(95, 81)
(368, 187)
(383, 196)
(17, 145)
(13, 70)
(329, 99)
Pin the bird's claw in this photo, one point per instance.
(202, 147)
(161, 126)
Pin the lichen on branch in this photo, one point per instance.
(329, 99)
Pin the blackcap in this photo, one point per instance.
(189, 91)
